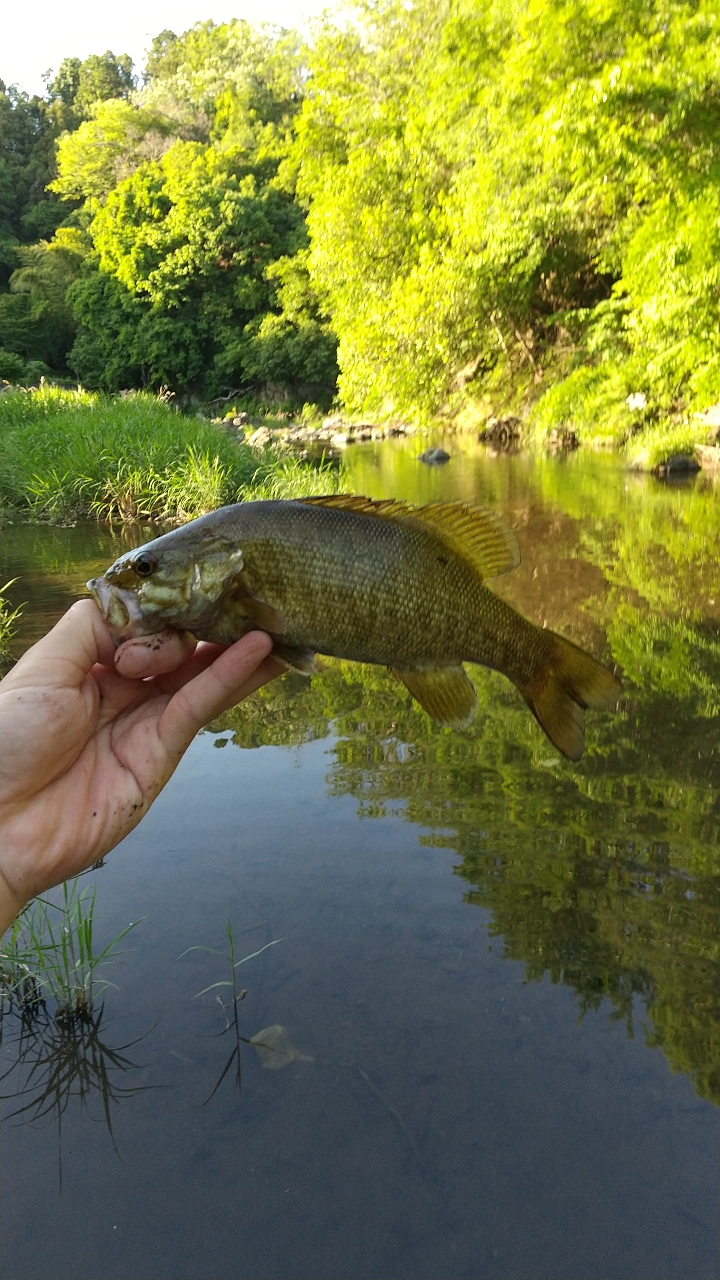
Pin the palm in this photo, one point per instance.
(84, 751)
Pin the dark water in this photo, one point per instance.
(500, 971)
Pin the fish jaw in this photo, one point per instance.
(120, 608)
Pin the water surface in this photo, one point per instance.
(499, 970)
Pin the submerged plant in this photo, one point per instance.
(232, 1022)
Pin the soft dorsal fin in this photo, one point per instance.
(477, 535)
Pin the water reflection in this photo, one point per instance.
(604, 875)
(59, 1063)
(272, 1044)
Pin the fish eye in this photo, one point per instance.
(144, 565)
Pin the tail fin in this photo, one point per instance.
(558, 697)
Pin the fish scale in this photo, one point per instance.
(369, 581)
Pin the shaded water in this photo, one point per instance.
(500, 972)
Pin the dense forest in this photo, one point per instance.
(449, 206)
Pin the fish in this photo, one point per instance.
(372, 581)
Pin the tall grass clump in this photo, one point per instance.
(49, 953)
(54, 1049)
(68, 454)
(8, 622)
(285, 476)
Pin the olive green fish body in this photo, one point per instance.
(372, 582)
(381, 592)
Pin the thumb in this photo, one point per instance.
(153, 655)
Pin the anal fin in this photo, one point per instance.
(446, 693)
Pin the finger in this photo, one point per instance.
(237, 672)
(63, 658)
(203, 657)
(153, 655)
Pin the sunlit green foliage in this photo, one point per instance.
(510, 205)
(29, 127)
(500, 194)
(193, 268)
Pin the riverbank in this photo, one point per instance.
(646, 445)
(66, 455)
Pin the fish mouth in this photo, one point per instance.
(119, 607)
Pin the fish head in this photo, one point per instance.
(178, 580)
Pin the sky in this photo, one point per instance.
(37, 36)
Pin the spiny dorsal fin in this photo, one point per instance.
(388, 508)
(446, 693)
(477, 535)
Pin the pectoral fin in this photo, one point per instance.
(264, 615)
(446, 693)
(300, 660)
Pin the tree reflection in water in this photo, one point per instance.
(603, 875)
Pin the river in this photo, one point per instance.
(498, 973)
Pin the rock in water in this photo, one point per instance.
(434, 457)
(679, 464)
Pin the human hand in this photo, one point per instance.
(90, 735)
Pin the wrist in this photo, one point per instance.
(10, 905)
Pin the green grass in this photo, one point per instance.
(49, 954)
(594, 402)
(645, 452)
(55, 1052)
(65, 455)
(8, 622)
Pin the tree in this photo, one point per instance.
(476, 177)
(192, 216)
(26, 166)
(103, 76)
(36, 320)
(191, 275)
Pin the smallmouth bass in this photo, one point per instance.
(371, 581)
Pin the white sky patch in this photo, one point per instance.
(36, 37)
